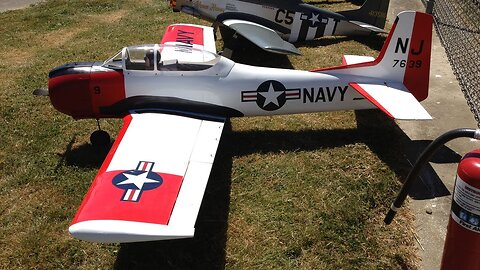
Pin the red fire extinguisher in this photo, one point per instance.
(462, 244)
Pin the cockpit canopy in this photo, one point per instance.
(155, 57)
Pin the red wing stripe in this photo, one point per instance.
(126, 123)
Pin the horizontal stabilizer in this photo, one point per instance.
(393, 99)
(369, 27)
(356, 59)
(262, 36)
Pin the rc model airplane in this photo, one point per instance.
(267, 23)
(174, 98)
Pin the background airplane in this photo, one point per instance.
(174, 98)
(267, 23)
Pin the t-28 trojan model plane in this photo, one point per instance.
(174, 98)
(266, 22)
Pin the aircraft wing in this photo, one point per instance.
(368, 26)
(261, 36)
(190, 36)
(152, 181)
(393, 99)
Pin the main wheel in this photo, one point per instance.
(100, 139)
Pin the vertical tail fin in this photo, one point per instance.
(398, 78)
(373, 12)
(405, 56)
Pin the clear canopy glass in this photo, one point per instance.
(162, 57)
(115, 62)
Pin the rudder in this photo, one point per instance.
(417, 71)
(373, 12)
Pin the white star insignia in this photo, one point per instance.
(271, 96)
(314, 19)
(137, 180)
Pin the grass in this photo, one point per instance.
(286, 192)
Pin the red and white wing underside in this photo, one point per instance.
(187, 43)
(151, 185)
(197, 36)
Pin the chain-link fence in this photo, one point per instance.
(458, 24)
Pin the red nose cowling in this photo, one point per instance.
(76, 90)
(68, 88)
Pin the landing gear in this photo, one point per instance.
(100, 139)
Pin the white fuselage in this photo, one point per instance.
(251, 90)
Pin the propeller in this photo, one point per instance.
(41, 92)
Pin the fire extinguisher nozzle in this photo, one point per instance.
(422, 160)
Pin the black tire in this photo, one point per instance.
(100, 139)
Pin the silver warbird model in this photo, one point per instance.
(268, 23)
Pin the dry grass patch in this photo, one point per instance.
(18, 57)
(7, 79)
(109, 17)
(60, 37)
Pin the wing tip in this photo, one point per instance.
(121, 231)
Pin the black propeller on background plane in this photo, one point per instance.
(41, 92)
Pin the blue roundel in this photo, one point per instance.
(135, 179)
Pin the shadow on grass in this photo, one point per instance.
(374, 42)
(374, 129)
(84, 156)
(396, 149)
(249, 142)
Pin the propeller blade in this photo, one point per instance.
(41, 92)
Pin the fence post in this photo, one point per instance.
(430, 4)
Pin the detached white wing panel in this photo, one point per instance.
(394, 99)
(261, 36)
(152, 182)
